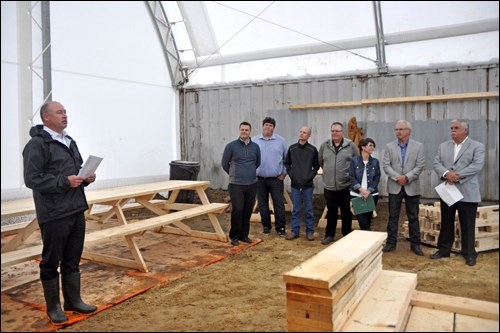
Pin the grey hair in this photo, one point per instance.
(406, 122)
(44, 109)
(463, 123)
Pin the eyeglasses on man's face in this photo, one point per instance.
(336, 131)
(399, 129)
(370, 145)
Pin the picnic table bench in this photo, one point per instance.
(169, 220)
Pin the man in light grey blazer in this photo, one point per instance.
(459, 161)
(403, 162)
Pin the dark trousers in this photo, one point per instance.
(275, 187)
(242, 202)
(411, 205)
(365, 219)
(335, 200)
(62, 246)
(467, 217)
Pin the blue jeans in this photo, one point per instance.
(242, 202)
(305, 197)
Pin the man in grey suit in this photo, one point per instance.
(459, 161)
(403, 162)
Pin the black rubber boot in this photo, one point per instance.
(71, 293)
(51, 293)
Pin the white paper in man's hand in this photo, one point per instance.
(449, 193)
(90, 166)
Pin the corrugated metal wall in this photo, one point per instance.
(211, 116)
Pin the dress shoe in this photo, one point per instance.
(267, 230)
(246, 240)
(235, 242)
(388, 248)
(281, 233)
(417, 250)
(471, 261)
(439, 255)
(291, 236)
(327, 240)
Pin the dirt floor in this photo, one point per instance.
(246, 292)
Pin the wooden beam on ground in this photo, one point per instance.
(392, 292)
(461, 305)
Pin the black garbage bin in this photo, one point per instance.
(184, 170)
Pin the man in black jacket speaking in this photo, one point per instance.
(51, 165)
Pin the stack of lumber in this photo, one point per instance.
(343, 288)
(430, 225)
(326, 292)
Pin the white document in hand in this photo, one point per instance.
(90, 166)
(449, 193)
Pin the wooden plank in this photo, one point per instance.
(313, 299)
(316, 325)
(430, 320)
(327, 267)
(371, 265)
(461, 305)
(363, 278)
(132, 191)
(18, 256)
(13, 228)
(351, 300)
(324, 105)
(17, 207)
(431, 99)
(322, 315)
(297, 288)
(27, 206)
(112, 260)
(21, 236)
(127, 206)
(465, 323)
(399, 100)
(154, 222)
(384, 307)
(306, 306)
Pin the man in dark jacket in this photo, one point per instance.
(51, 165)
(302, 165)
(240, 160)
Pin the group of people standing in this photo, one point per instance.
(257, 167)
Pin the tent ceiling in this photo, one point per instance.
(213, 33)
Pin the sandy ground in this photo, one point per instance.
(245, 292)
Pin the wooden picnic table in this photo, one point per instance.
(112, 202)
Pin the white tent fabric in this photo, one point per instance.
(294, 39)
